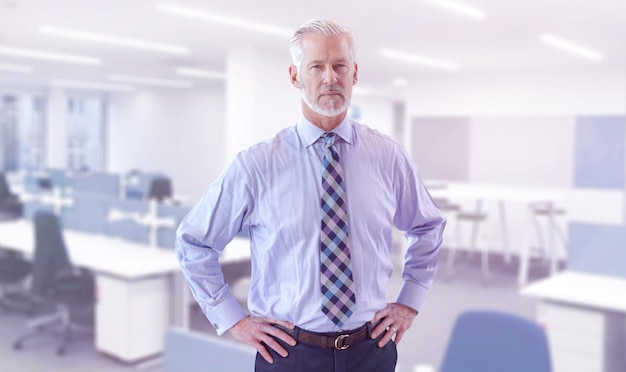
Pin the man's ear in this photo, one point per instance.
(293, 76)
(356, 73)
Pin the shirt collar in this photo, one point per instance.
(309, 133)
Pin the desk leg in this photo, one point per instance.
(181, 299)
(504, 232)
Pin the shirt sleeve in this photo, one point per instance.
(422, 223)
(204, 233)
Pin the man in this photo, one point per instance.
(319, 201)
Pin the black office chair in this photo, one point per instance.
(55, 282)
(160, 189)
(10, 206)
(13, 269)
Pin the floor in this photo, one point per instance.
(424, 343)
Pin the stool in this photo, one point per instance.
(546, 250)
(475, 218)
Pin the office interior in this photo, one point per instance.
(116, 116)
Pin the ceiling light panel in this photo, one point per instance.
(112, 40)
(149, 81)
(419, 60)
(51, 56)
(15, 68)
(571, 47)
(207, 74)
(183, 11)
(459, 8)
(91, 85)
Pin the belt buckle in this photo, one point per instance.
(339, 344)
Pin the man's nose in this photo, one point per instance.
(329, 76)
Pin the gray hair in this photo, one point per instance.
(324, 27)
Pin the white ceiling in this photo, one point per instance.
(507, 41)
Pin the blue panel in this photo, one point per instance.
(98, 183)
(127, 228)
(195, 352)
(88, 214)
(138, 185)
(597, 249)
(600, 151)
(31, 208)
(60, 178)
(167, 235)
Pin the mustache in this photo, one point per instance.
(334, 88)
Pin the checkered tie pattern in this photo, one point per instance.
(338, 300)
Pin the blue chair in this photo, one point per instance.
(195, 352)
(493, 341)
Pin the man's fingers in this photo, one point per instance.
(274, 345)
(282, 335)
(386, 338)
(379, 329)
(398, 337)
(264, 353)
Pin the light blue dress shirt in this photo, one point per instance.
(273, 189)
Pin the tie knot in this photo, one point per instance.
(329, 139)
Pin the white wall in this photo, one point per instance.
(178, 132)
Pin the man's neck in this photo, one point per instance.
(323, 122)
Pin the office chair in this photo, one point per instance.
(493, 341)
(13, 269)
(10, 206)
(160, 189)
(70, 291)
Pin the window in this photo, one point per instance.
(22, 132)
(85, 133)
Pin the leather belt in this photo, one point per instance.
(337, 341)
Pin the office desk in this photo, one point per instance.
(141, 290)
(585, 319)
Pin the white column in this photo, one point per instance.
(260, 99)
(56, 118)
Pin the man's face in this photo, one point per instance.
(326, 74)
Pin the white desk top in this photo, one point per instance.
(578, 288)
(110, 255)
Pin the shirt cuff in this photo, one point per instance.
(412, 295)
(225, 315)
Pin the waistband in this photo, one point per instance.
(330, 340)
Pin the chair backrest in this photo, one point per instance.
(5, 192)
(194, 352)
(51, 255)
(160, 189)
(492, 341)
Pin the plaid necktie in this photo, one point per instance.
(338, 300)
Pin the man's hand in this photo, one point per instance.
(253, 330)
(394, 318)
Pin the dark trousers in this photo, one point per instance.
(365, 356)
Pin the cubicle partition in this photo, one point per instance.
(98, 183)
(88, 213)
(167, 235)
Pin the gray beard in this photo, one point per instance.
(332, 112)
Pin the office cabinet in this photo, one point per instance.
(132, 316)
